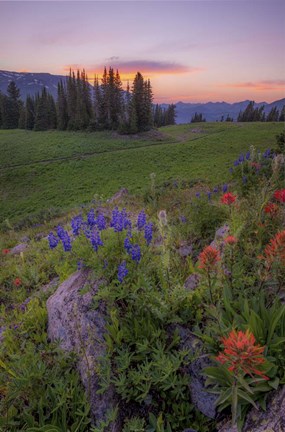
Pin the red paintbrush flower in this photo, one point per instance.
(241, 354)
(274, 252)
(17, 282)
(256, 165)
(209, 258)
(228, 198)
(279, 195)
(5, 251)
(271, 208)
(231, 240)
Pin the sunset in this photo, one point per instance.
(194, 51)
(142, 216)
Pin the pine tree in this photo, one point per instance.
(30, 113)
(11, 107)
(197, 118)
(273, 115)
(41, 116)
(71, 101)
(282, 115)
(62, 109)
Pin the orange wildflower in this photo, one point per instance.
(241, 354)
(231, 240)
(209, 258)
(274, 252)
(271, 208)
(17, 282)
(279, 195)
(228, 198)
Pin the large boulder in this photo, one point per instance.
(80, 328)
(271, 420)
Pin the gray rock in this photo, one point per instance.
(185, 250)
(271, 420)
(200, 397)
(17, 250)
(192, 282)
(118, 196)
(80, 329)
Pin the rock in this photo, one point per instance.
(50, 285)
(185, 250)
(271, 420)
(122, 193)
(200, 397)
(17, 250)
(80, 329)
(192, 282)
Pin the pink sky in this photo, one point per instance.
(192, 51)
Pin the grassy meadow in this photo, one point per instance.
(61, 170)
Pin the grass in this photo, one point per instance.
(43, 170)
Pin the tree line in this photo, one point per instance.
(252, 114)
(79, 106)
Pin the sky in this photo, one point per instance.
(192, 51)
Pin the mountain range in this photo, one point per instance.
(30, 83)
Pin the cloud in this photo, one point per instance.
(149, 67)
(259, 85)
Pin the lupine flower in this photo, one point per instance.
(216, 190)
(17, 282)
(148, 233)
(228, 198)
(136, 253)
(127, 244)
(80, 264)
(241, 355)
(122, 271)
(101, 222)
(274, 252)
(76, 223)
(95, 239)
(231, 240)
(241, 158)
(279, 195)
(53, 240)
(141, 220)
(236, 163)
(209, 194)
(120, 220)
(267, 153)
(271, 208)
(183, 219)
(60, 232)
(198, 195)
(209, 258)
(65, 239)
(231, 170)
(244, 179)
(91, 218)
(225, 188)
(5, 251)
(86, 229)
(247, 156)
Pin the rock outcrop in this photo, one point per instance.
(271, 420)
(80, 328)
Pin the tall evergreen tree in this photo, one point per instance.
(273, 115)
(282, 115)
(30, 113)
(62, 109)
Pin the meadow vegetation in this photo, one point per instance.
(235, 309)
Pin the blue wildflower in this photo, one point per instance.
(183, 219)
(241, 158)
(225, 188)
(76, 223)
(127, 245)
(86, 229)
(53, 240)
(80, 264)
(136, 253)
(209, 195)
(122, 271)
(141, 220)
(236, 163)
(198, 195)
(247, 156)
(120, 220)
(148, 232)
(91, 218)
(216, 190)
(65, 239)
(101, 222)
(244, 179)
(95, 239)
(231, 170)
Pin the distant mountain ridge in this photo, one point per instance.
(30, 83)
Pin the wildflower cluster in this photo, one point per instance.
(274, 252)
(120, 220)
(209, 258)
(228, 198)
(241, 355)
